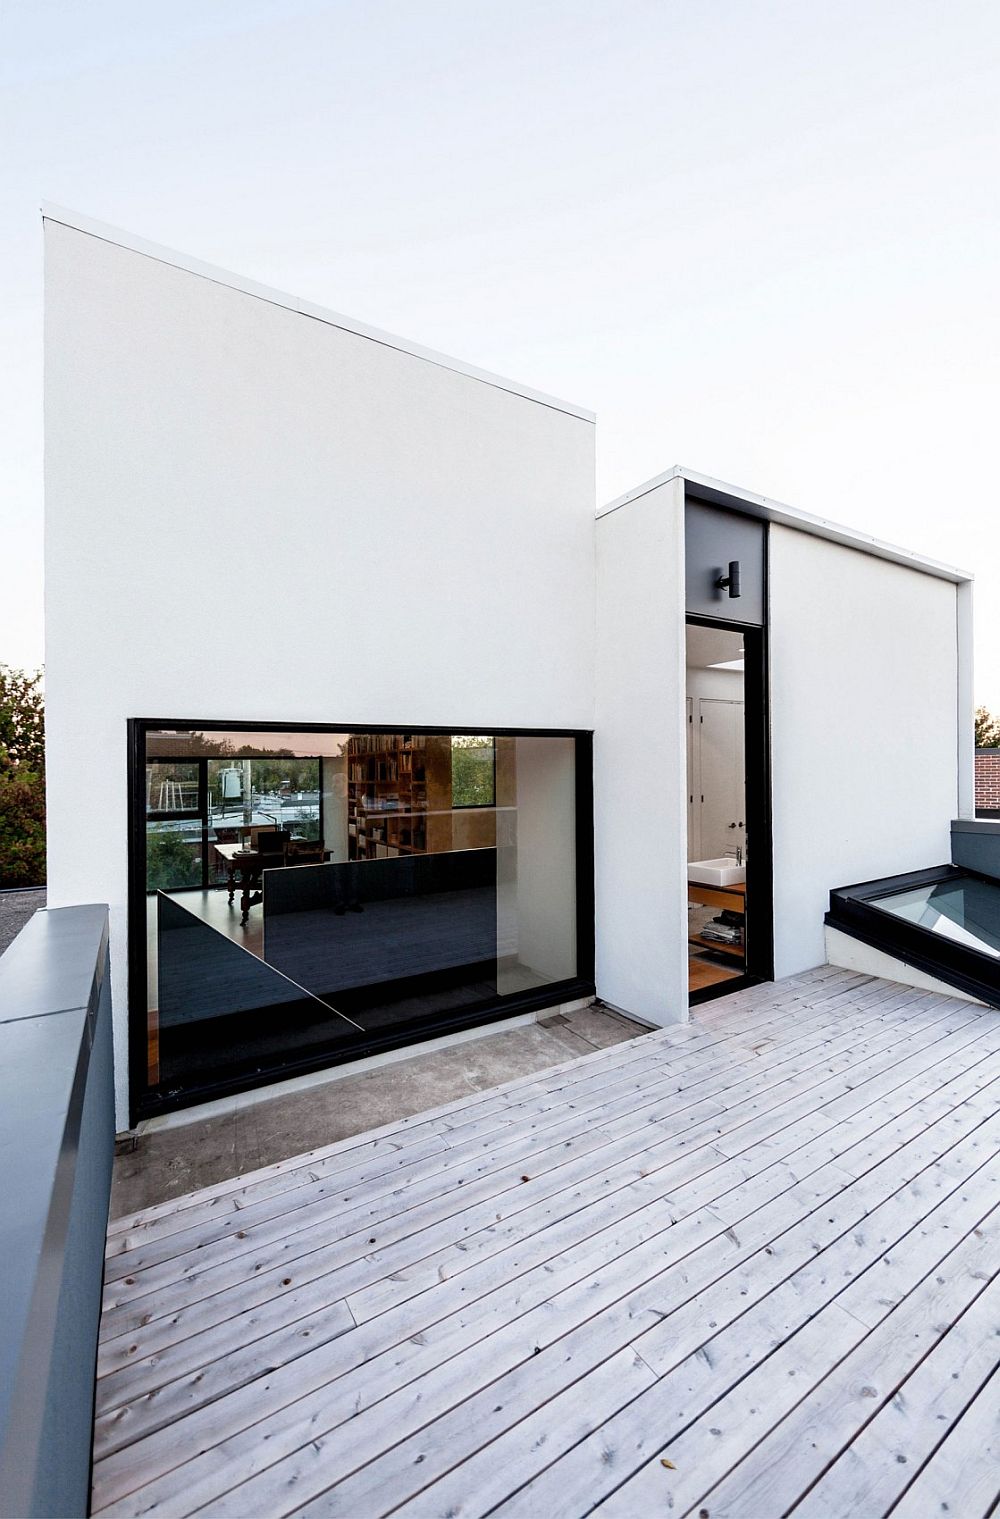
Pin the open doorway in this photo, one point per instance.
(728, 849)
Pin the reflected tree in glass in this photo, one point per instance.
(473, 771)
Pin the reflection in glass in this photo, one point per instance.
(174, 843)
(218, 1003)
(173, 855)
(394, 876)
(172, 788)
(387, 938)
(965, 911)
(473, 771)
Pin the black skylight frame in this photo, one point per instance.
(855, 910)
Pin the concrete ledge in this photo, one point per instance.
(224, 1106)
(852, 954)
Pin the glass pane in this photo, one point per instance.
(248, 795)
(473, 771)
(966, 911)
(219, 1007)
(388, 939)
(172, 787)
(392, 876)
(173, 855)
(536, 861)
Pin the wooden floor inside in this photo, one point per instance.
(704, 971)
(742, 1267)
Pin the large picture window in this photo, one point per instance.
(305, 896)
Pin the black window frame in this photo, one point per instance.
(145, 1102)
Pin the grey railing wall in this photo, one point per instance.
(56, 1149)
(975, 844)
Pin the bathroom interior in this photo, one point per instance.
(717, 811)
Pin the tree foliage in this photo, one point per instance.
(473, 775)
(273, 774)
(171, 861)
(22, 721)
(22, 779)
(987, 729)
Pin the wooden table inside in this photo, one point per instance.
(244, 868)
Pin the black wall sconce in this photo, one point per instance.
(730, 581)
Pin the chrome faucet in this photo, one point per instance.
(737, 852)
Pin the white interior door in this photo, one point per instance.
(722, 777)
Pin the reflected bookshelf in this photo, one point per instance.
(398, 795)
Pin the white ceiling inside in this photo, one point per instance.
(711, 646)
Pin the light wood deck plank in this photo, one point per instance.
(703, 1452)
(161, 1401)
(404, 1284)
(798, 991)
(467, 1426)
(519, 1100)
(911, 1420)
(473, 1307)
(962, 1477)
(436, 1346)
(152, 1284)
(433, 1159)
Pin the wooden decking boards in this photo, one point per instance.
(744, 1267)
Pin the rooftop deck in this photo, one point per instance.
(736, 1268)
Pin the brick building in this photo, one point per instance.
(988, 782)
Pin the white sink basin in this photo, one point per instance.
(724, 872)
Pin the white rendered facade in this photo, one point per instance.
(259, 510)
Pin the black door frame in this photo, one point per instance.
(759, 962)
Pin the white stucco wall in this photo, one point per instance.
(864, 728)
(852, 954)
(640, 758)
(254, 514)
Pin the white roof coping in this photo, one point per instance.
(121, 239)
(733, 496)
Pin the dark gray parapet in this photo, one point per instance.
(975, 845)
(56, 1150)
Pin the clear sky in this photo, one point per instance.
(759, 239)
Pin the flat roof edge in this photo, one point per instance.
(122, 239)
(722, 494)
